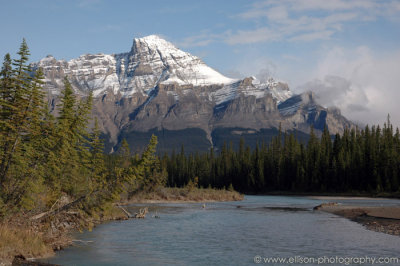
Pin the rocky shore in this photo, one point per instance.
(380, 219)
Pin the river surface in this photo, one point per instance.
(230, 233)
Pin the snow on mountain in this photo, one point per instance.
(151, 61)
(252, 87)
(156, 86)
(279, 90)
(95, 73)
(180, 67)
(292, 105)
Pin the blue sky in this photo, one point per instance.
(346, 51)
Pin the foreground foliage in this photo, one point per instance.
(44, 158)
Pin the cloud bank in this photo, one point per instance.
(298, 20)
(366, 87)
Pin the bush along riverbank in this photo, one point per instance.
(190, 193)
(25, 237)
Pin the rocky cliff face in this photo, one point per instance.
(157, 88)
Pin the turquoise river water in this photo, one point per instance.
(233, 233)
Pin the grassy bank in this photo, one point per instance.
(17, 241)
(164, 194)
(24, 236)
(38, 238)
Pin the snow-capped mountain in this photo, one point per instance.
(150, 62)
(156, 87)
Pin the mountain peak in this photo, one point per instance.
(151, 38)
(168, 64)
(155, 42)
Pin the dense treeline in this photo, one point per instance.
(45, 157)
(365, 160)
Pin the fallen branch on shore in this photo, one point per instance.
(62, 208)
(125, 211)
(138, 215)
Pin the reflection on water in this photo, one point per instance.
(229, 233)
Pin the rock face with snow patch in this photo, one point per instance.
(157, 88)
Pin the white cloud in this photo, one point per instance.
(204, 38)
(253, 36)
(235, 74)
(278, 13)
(332, 5)
(194, 41)
(290, 57)
(318, 35)
(267, 72)
(363, 85)
(307, 20)
(297, 21)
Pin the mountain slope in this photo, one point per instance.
(157, 88)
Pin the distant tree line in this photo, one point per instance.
(365, 160)
(43, 157)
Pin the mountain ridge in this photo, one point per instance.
(156, 86)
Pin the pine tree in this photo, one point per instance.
(6, 112)
(258, 169)
(152, 175)
(16, 87)
(325, 159)
(6, 96)
(313, 159)
(71, 146)
(96, 163)
(21, 134)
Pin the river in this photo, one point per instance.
(232, 233)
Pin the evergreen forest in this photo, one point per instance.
(358, 161)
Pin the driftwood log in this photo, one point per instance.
(141, 214)
(138, 215)
(51, 212)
